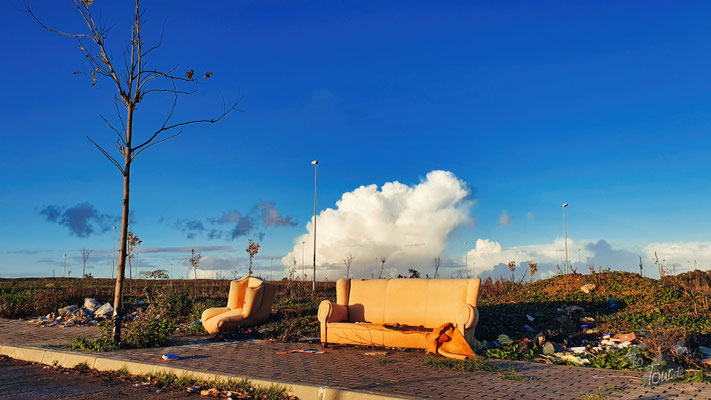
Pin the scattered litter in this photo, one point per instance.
(309, 339)
(307, 351)
(91, 304)
(142, 384)
(578, 350)
(572, 309)
(572, 358)
(194, 389)
(530, 318)
(528, 328)
(625, 337)
(587, 320)
(68, 309)
(89, 314)
(705, 351)
(504, 340)
(613, 304)
(210, 392)
(170, 357)
(376, 353)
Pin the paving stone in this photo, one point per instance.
(347, 367)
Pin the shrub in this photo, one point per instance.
(149, 329)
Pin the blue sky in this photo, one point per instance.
(531, 104)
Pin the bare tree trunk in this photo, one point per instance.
(118, 292)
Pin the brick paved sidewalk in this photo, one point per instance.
(399, 374)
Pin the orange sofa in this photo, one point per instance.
(365, 310)
(249, 303)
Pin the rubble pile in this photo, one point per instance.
(578, 349)
(90, 313)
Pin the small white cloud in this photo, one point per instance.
(505, 219)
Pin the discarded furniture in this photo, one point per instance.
(386, 312)
(249, 303)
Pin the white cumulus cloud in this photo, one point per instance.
(409, 225)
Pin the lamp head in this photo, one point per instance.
(565, 205)
(314, 162)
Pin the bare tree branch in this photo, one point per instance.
(199, 121)
(75, 35)
(120, 136)
(108, 156)
(136, 153)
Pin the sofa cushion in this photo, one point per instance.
(406, 301)
(366, 300)
(373, 334)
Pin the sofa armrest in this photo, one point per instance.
(467, 317)
(332, 312)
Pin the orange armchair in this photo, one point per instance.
(249, 303)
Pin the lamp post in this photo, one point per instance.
(65, 265)
(113, 255)
(303, 274)
(565, 233)
(466, 258)
(315, 164)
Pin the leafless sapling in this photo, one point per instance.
(132, 79)
(84, 258)
(347, 262)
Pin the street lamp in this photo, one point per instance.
(565, 233)
(466, 258)
(315, 164)
(113, 255)
(303, 274)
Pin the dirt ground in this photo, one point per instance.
(24, 380)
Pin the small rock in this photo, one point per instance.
(587, 288)
(67, 310)
(104, 311)
(91, 304)
(551, 348)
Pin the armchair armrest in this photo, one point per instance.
(332, 312)
(252, 300)
(467, 316)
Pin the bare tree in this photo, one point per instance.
(84, 258)
(159, 273)
(347, 262)
(132, 79)
(195, 262)
(382, 266)
(437, 261)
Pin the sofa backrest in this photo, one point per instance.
(428, 302)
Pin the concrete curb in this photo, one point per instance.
(69, 359)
